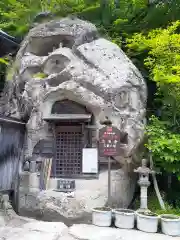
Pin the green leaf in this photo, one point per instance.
(4, 61)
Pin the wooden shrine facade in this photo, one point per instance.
(71, 125)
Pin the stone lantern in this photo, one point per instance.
(143, 182)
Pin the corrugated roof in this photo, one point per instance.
(8, 44)
(11, 120)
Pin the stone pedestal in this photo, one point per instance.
(33, 181)
(29, 180)
(28, 192)
(143, 196)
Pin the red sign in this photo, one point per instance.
(109, 141)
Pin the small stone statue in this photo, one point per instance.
(26, 166)
(60, 45)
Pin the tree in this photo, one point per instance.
(162, 59)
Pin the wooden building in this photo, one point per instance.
(11, 154)
(70, 122)
(8, 44)
(11, 132)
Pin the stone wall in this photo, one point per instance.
(77, 205)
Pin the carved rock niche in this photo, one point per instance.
(122, 99)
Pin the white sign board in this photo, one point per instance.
(90, 160)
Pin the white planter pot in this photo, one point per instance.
(102, 217)
(170, 224)
(147, 223)
(124, 218)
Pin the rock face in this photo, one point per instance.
(66, 59)
(77, 207)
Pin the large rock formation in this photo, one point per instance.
(66, 59)
(77, 206)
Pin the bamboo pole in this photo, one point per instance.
(156, 188)
(48, 171)
(109, 182)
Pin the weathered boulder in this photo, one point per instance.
(2, 221)
(66, 59)
(76, 207)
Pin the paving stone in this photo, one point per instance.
(90, 232)
(47, 227)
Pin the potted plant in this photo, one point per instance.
(147, 221)
(102, 217)
(170, 224)
(124, 218)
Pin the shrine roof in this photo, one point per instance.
(8, 44)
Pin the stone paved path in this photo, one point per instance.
(91, 232)
(28, 229)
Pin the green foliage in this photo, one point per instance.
(163, 46)
(91, 13)
(160, 52)
(3, 61)
(40, 75)
(164, 145)
(16, 17)
(154, 206)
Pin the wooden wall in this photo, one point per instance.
(11, 145)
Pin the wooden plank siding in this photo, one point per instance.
(45, 173)
(11, 145)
